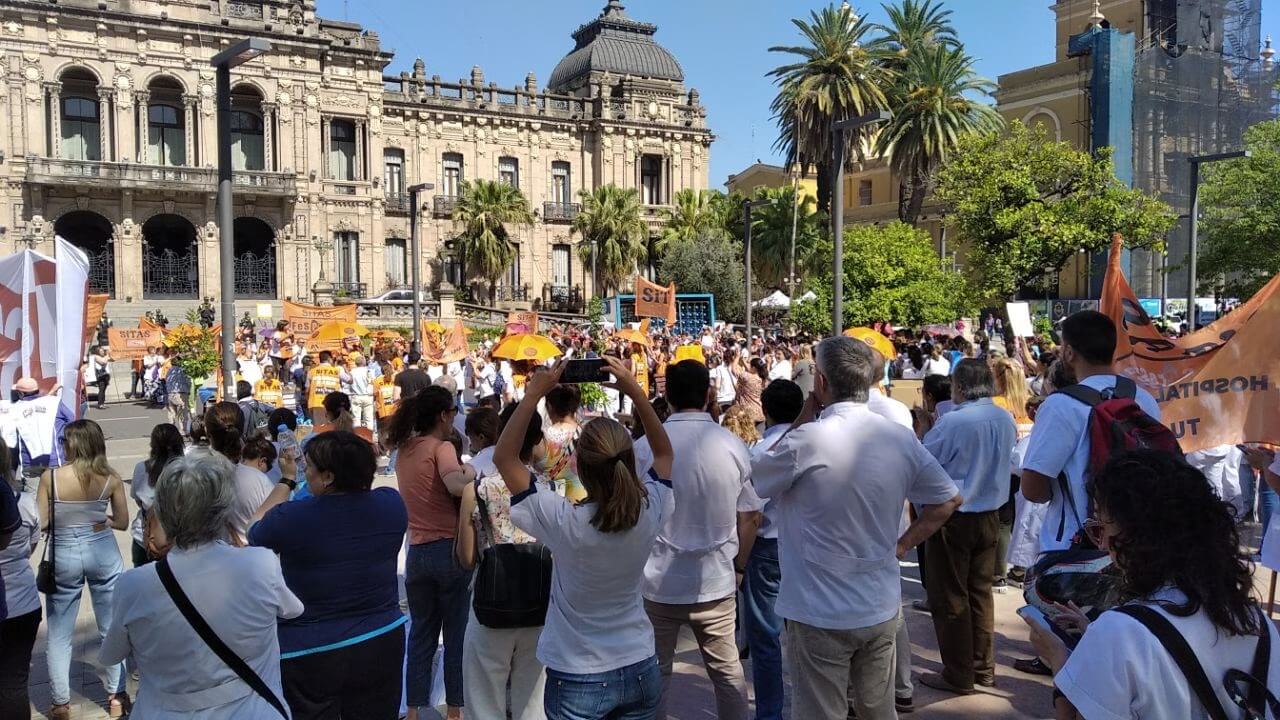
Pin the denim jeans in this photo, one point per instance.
(81, 556)
(439, 593)
(764, 627)
(629, 693)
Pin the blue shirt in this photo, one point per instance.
(10, 521)
(974, 444)
(338, 554)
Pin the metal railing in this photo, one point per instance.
(351, 290)
(560, 212)
(57, 171)
(397, 203)
(443, 205)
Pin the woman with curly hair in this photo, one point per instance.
(1180, 559)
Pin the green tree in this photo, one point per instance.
(837, 75)
(1025, 204)
(935, 107)
(485, 211)
(711, 264)
(693, 213)
(613, 234)
(1240, 227)
(913, 25)
(771, 232)
(195, 348)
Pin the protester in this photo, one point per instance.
(177, 388)
(322, 380)
(181, 676)
(362, 393)
(598, 643)
(1011, 394)
(782, 401)
(497, 657)
(560, 435)
(223, 422)
(723, 381)
(80, 504)
(749, 379)
(737, 421)
(430, 476)
(166, 446)
(338, 551)
(841, 478)
(19, 600)
(802, 373)
(39, 425)
(1179, 555)
(268, 390)
(100, 369)
(973, 444)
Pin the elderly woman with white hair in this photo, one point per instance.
(182, 675)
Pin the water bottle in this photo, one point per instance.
(289, 444)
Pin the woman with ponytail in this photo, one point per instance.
(337, 408)
(223, 423)
(597, 644)
(430, 478)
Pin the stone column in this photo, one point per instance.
(361, 127)
(54, 92)
(448, 302)
(268, 136)
(106, 121)
(324, 147)
(142, 100)
(188, 124)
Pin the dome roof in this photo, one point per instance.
(616, 44)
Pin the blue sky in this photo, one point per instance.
(722, 45)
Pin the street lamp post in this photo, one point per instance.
(236, 55)
(837, 205)
(416, 278)
(1193, 250)
(746, 224)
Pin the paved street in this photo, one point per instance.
(127, 427)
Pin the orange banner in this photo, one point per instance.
(133, 343)
(145, 324)
(528, 319)
(1216, 386)
(93, 312)
(655, 301)
(304, 319)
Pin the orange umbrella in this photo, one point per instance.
(337, 331)
(526, 346)
(385, 335)
(876, 340)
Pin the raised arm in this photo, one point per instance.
(659, 443)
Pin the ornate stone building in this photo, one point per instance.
(108, 138)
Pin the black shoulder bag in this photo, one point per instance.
(513, 581)
(206, 633)
(45, 581)
(1247, 690)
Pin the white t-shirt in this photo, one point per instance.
(1060, 444)
(1271, 540)
(890, 409)
(781, 370)
(692, 558)
(726, 390)
(1121, 671)
(596, 620)
(937, 366)
(361, 380)
(252, 489)
(1221, 467)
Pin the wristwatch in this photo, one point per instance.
(289, 482)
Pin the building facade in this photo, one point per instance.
(110, 141)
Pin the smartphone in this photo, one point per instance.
(1036, 616)
(587, 370)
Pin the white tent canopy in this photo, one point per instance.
(777, 301)
(807, 297)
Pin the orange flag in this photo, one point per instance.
(93, 310)
(655, 301)
(1216, 386)
(522, 319)
(133, 343)
(455, 343)
(304, 319)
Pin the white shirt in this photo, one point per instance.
(252, 489)
(361, 380)
(144, 495)
(484, 380)
(183, 677)
(781, 370)
(937, 366)
(889, 409)
(1060, 444)
(1271, 540)
(769, 525)
(250, 370)
(726, 390)
(596, 620)
(1121, 671)
(840, 483)
(20, 592)
(1221, 467)
(692, 558)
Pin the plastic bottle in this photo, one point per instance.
(289, 444)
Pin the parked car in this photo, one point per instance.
(399, 296)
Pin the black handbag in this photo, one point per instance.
(513, 581)
(45, 581)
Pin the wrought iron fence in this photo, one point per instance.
(351, 290)
(102, 273)
(168, 274)
(560, 212)
(444, 205)
(256, 275)
(397, 203)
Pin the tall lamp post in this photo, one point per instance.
(236, 55)
(416, 278)
(1194, 248)
(837, 205)
(747, 205)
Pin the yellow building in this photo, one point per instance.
(763, 175)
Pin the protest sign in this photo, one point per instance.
(1020, 319)
(132, 343)
(304, 319)
(522, 322)
(655, 301)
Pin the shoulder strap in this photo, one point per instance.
(215, 643)
(1125, 388)
(1082, 393)
(1176, 645)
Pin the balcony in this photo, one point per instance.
(397, 203)
(554, 212)
(444, 204)
(91, 173)
(350, 290)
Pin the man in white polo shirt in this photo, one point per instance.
(699, 555)
(840, 478)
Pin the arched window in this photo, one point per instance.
(247, 148)
(168, 137)
(342, 150)
(80, 126)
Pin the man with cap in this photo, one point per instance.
(38, 421)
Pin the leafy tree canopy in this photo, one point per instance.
(711, 264)
(1240, 226)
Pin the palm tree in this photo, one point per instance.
(914, 25)
(484, 211)
(613, 235)
(771, 233)
(693, 213)
(934, 108)
(837, 76)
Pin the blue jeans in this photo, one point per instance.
(81, 556)
(764, 627)
(629, 693)
(439, 593)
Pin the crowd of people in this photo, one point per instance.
(553, 540)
